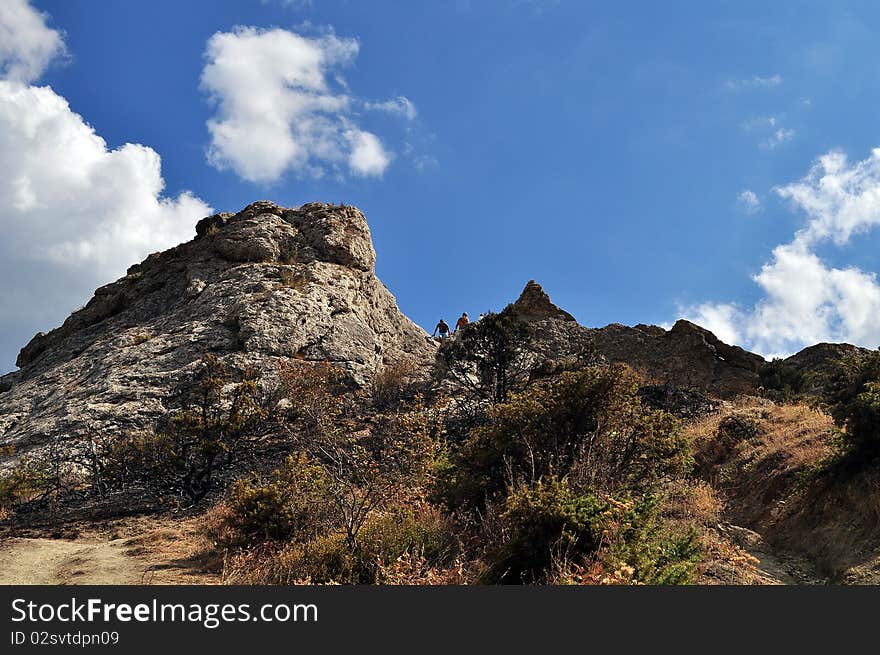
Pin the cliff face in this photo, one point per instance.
(254, 288)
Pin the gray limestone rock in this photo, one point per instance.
(256, 288)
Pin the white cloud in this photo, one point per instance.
(777, 138)
(754, 82)
(770, 126)
(368, 157)
(282, 105)
(749, 201)
(27, 44)
(75, 214)
(719, 318)
(759, 123)
(804, 299)
(400, 105)
(840, 199)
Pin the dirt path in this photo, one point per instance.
(61, 562)
(134, 550)
(782, 568)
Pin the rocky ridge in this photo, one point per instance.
(271, 284)
(685, 356)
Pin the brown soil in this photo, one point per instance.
(132, 551)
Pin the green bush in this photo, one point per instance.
(551, 527)
(542, 522)
(657, 553)
(422, 531)
(781, 382)
(852, 397)
(589, 426)
(293, 505)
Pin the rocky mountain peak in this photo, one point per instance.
(255, 288)
(534, 304)
(265, 232)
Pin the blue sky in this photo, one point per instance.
(643, 161)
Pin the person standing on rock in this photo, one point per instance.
(463, 322)
(442, 328)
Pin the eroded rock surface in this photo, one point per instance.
(255, 288)
(686, 356)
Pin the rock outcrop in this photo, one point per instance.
(685, 356)
(822, 357)
(816, 363)
(255, 288)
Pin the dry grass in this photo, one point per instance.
(176, 552)
(755, 450)
(784, 482)
(394, 382)
(692, 502)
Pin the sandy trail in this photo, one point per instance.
(61, 562)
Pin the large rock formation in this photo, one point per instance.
(254, 288)
(686, 356)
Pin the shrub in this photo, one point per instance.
(47, 474)
(311, 400)
(736, 428)
(781, 382)
(18, 486)
(551, 528)
(422, 531)
(216, 417)
(543, 522)
(293, 505)
(365, 469)
(656, 552)
(394, 384)
(852, 397)
(326, 560)
(329, 559)
(588, 425)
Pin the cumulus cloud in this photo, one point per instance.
(27, 44)
(282, 105)
(841, 199)
(368, 157)
(754, 82)
(749, 201)
(75, 213)
(804, 299)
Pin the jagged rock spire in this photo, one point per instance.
(534, 304)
